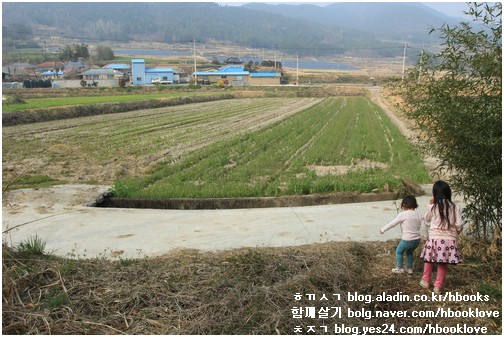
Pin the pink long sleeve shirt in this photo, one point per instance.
(411, 221)
(436, 230)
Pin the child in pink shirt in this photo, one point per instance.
(441, 248)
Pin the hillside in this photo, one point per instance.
(408, 22)
(342, 28)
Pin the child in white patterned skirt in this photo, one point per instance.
(441, 248)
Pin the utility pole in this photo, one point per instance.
(194, 51)
(297, 69)
(403, 62)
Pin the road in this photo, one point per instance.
(60, 216)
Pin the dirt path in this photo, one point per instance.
(405, 126)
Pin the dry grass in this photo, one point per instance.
(244, 291)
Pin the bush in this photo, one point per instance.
(13, 100)
(455, 98)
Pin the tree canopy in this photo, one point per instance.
(74, 52)
(104, 53)
(455, 98)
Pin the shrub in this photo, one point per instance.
(13, 100)
(457, 106)
(32, 246)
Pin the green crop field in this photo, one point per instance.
(47, 102)
(231, 148)
(335, 145)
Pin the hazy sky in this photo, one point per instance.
(449, 8)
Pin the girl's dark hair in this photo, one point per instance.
(409, 202)
(442, 194)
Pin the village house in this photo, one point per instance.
(100, 74)
(19, 69)
(101, 77)
(75, 66)
(49, 66)
(142, 75)
(122, 67)
(236, 75)
(50, 75)
(230, 74)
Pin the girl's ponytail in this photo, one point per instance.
(441, 192)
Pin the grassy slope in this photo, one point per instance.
(243, 291)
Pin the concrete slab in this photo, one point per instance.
(60, 216)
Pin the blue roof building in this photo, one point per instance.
(265, 78)
(236, 75)
(52, 74)
(117, 66)
(264, 74)
(225, 71)
(231, 74)
(141, 75)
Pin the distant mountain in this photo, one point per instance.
(389, 21)
(369, 29)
